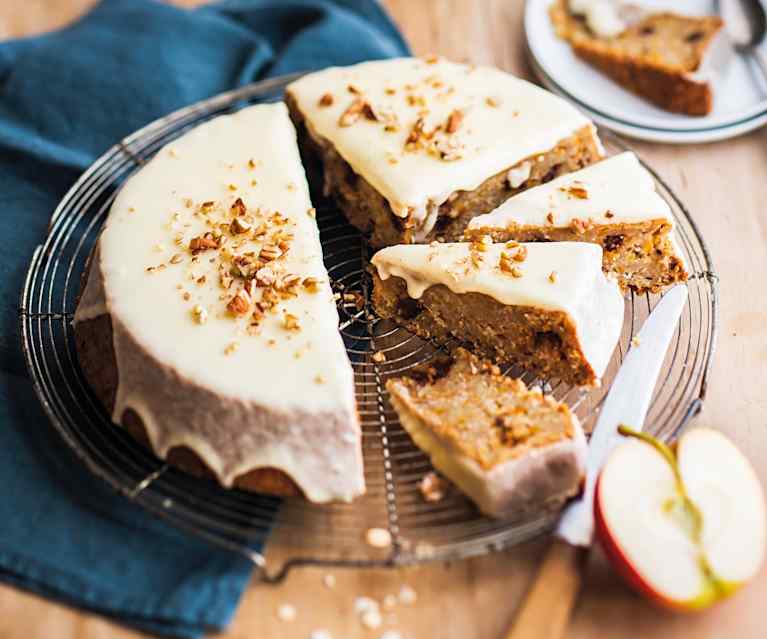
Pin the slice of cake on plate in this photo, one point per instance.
(668, 59)
(207, 325)
(545, 306)
(411, 149)
(508, 448)
(612, 203)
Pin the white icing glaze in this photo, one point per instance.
(619, 185)
(716, 58)
(508, 486)
(593, 301)
(505, 120)
(519, 174)
(292, 376)
(603, 17)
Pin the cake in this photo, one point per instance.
(508, 448)
(547, 307)
(612, 203)
(665, 58)
(207, 325)
(411, 149)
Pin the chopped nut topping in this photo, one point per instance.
(290, 322)
(231, 348)
(609, 214)
(319, 379)
(431, 58)
(204, 242)
(355, 298)
(207, 206)
(265, 277)
(312, 212)
(378, 537)
(329, 581)
(635, 341)
(238, 207)
(379, 357)
(581, 226)
(550, 217)
(239, 304)
(286, 612)
(352, 113)
(553, 276)
(577, 192)
(416, 135)
(239, 226)
(177, 258)
(407, 595)
(390, 91)
(354, 89)
(454, 121)
(506, 265)
(326, 100)
(187, 296)
(199, 314)
(232, 187)
(251, 163)
(520, 255)
(269, 252)
(311, 284)
(432, 487)
(492, 101)
(225, 279)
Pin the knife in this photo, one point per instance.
(545, 612)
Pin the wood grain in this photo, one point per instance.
(545, 611)
(725, 186)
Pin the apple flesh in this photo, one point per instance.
(685, 528)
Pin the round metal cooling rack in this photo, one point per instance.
(299, 532)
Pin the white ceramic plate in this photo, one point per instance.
(740, 101)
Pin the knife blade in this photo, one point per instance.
(627, 403)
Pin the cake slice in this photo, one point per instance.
(507, 448)
(545, 306)
(207, 324)
(612, 203)
(411, 149)
(665, 58)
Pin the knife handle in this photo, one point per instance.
(545, 611)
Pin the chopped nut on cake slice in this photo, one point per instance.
(506, 306)
(612, 203)
(228, 351)
(411, 150)
(508, 448)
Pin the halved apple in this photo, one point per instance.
(686, 527)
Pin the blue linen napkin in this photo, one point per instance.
(65, 97)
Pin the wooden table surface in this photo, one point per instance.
(725, 186)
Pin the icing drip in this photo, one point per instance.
(224, 324)
(580, 288)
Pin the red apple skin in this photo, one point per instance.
(623, 566)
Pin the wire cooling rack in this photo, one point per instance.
(304, 533)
